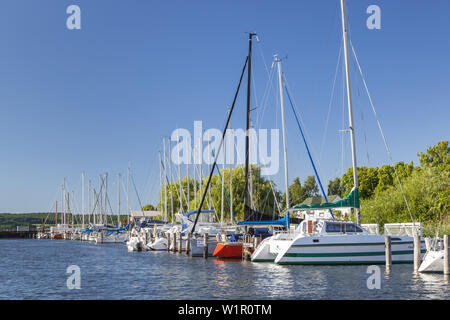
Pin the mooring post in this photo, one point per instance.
(205, 246)
(155, 230)
(446, 255)
(174, 247)
(169, 238)
(255, 242)
(416, 252)
(188, 243)
(387, 243)
(180, 242)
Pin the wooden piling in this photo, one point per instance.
(180, 242)
(205, 246)
(174, 247)
(188, 243)
(446, 255)
(416, 252)
(387, 244)
(169, 238)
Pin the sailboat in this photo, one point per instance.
(323, 241)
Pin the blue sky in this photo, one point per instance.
(101, 98)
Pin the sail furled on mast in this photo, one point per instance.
(350, 201)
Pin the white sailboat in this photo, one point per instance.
(322, 241)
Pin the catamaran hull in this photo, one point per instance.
(347, 249)
(329, 250)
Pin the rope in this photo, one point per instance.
(382, 135)
(307, 149)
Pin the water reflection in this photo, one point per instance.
(36, 269)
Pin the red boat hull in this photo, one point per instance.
(228, 250)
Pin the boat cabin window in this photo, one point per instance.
(342, 227)
(334, 227)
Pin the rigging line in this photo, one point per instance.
(221, 142)
(265, 98)
(135, 190)
(307, 149)
(262, 55)
(360, 107)
(329, 105)
(275, 197)
(225, 191)
(294, 105)
(382, 135)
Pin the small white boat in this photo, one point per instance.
(159, 244)
(433, 261)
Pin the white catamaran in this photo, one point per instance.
(323, 241)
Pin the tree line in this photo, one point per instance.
(426, 188)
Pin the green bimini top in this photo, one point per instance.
(350, 201)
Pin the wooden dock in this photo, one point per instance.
(18, 234)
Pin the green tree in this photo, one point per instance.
(148, 207)
(436, 156)
(310, 187)
(334, 187)
(263, 196)
(367, 178)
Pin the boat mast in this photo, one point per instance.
(160, 186)
(230, 150)
(247, 133)
(280, 82)
(171, 178)
(166, 185)
(89, 201)
(118, 200)
(349, 103)
(128, 196)
(82, 197)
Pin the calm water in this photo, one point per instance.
(36, 269)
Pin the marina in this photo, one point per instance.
(271, 197)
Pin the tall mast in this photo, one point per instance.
(160, 185)
(209, 167)
(286, 181)
(64, 201)
(165, 186)
(223, 183)
(247, 142)
(89, 200)
(56, 214)
(82, 198)
(349, 103)
(100, 199)
(128, 195)
(106, 198)
(73, 207)
(179, 177)
(118, 200)
(188, 185)
(171, 178)
(230, 150)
